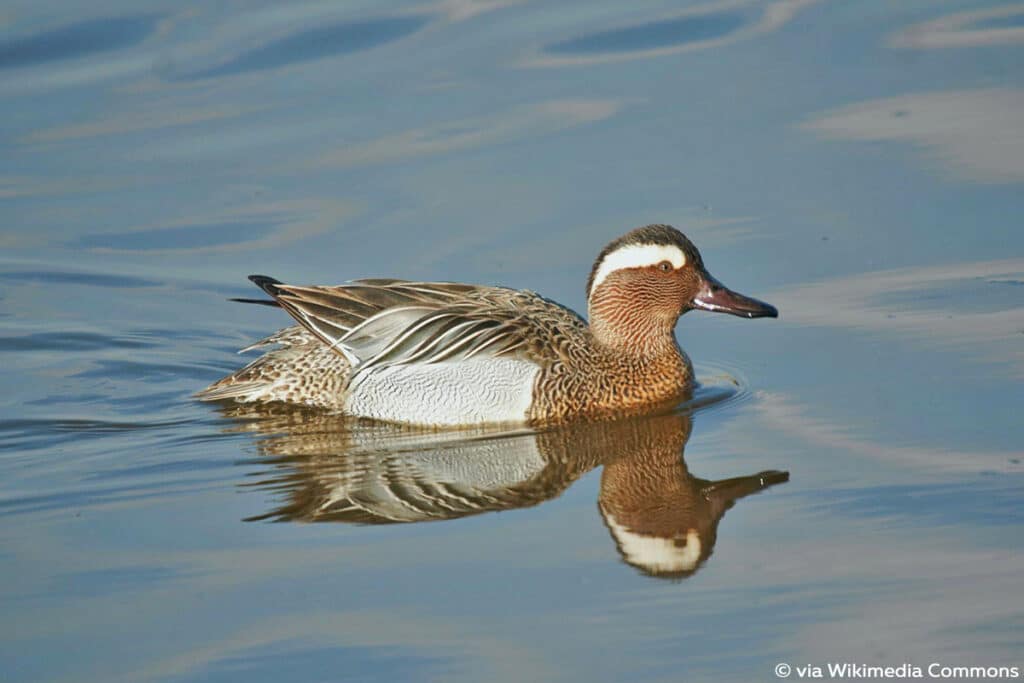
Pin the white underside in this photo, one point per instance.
(655, 553)
(446, 394)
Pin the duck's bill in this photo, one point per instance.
(718, 298)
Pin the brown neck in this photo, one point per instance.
(631, 324)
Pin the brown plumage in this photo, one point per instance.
(662, 518)
(366, 343)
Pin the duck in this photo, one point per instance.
(447, 354)
(662, 519)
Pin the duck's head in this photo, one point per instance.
(643, 281)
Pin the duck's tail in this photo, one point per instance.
(268, 285)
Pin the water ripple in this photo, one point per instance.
(119, 368)
(36, 433)
(69, 341)
(79, 498)
(76, 278)
(183, 237)
(76, 40)
(986, 26)
(316, 43)
(697, 28)
(653, 35)
(720, 387)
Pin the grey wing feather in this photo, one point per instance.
(380, 323)
(448, 334)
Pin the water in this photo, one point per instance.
(859, 165)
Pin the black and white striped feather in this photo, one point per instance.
(380, 323)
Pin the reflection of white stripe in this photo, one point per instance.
(638, 256)
(655, 553)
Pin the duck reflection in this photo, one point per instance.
(664, 520)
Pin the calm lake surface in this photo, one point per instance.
(849, 486)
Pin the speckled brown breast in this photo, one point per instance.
(601, 384)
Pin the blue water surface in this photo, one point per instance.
(849, 487)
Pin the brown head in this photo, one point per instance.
(643, 281)
(663, 519)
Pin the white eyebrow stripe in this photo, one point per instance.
(638, 256)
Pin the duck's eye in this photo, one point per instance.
(665, 266)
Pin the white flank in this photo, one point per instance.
(655, 553)
(638, 256)
(408, 487)
(475, 391)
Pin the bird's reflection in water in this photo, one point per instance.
(664, 520)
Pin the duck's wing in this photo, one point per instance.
(380, 323)
(441, 480)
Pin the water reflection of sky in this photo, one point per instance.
(75, 41)
(857, 164)
(315, 43)
(652, 36)
(989, 26)
(977, 134)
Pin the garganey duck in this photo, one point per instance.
(663, 519)
(449, 354)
